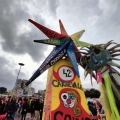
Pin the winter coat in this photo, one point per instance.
(41, 106)
(25, 107)
(37, 105)
(92, 108)
(2, 107)
(32, 106)
(11, 107)
(29, 108)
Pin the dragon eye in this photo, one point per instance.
(84, 60)
(88, 57)
(97, 51)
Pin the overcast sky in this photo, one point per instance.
(99, 18)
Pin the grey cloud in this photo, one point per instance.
(100, 19)
(39, 85)
(53, 6)
(79, 9)
(107, 25)
(49, 7)
(13, 14)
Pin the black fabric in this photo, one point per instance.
(25, 107)
(10, 108)
(41, 108)
(32, 107)
(92, 108)
(37, 105)
(2, 108)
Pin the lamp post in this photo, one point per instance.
(21, 64)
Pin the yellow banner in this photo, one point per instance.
(66, 96)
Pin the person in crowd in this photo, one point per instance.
(24, 109)
(19, 107)
(2, 106)
(28, 115)
(97, 104)
(3, 113)
(92, 108)
(99, 107)
(37, 109)
(32, 108)
(41, 107)
(10, 108)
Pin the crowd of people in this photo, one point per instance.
(23, 107)
(32, 108)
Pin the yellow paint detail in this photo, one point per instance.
(77, 35)
(52, 41)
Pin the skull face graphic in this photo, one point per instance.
(68, 100)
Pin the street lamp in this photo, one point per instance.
(21, 64)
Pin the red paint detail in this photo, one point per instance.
(99, 77)
(48, 32)
(2, 116)
(62, 29)
(68, 101)
(77, 54)
(56, 74)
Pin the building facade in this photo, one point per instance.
(21, 89)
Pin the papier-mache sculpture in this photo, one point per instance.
(65, 97)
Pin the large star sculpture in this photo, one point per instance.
(65, 45)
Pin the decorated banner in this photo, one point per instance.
(65, 99)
